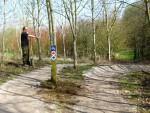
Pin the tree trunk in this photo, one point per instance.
(64, 44)
(93, 31)
(107, 31)
(3, 36)
(147, 10)
(49, 19)
(75, 52)
(71, 14)
(109, 48)
(39, 48)
(75, 36)
(34, 28)
(18, 42)
(63, 35)
(38, 35)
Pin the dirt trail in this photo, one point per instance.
(20, 95)
(101, 94)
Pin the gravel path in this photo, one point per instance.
(101, 94)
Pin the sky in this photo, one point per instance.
(16, 12)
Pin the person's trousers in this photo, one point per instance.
(25, 55)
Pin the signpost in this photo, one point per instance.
(53, 53)
(53, 49)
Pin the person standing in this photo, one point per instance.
(25, 46)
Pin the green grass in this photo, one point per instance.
(70, 61)
(75, 74)
(124, 56)
(60, 61)
(137, 86)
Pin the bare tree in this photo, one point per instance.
(32, 7)
(38, 27)
(63, 33)
(63, 40)
(3, 35)
(110, 20)
(93, 31)
(70, 8)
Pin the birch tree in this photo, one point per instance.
(63, 32)
(93, 31)
(34, 11)
(70, 8)
(38, 27)
(63, 40)
(3, 35)
(110, 20)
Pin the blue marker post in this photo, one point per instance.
(53, 53)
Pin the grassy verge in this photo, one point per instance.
(12, 69)
(68, 77)
(69, 83)
(61, 61)
(136, 87)
(124, 56)
(70, 60)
